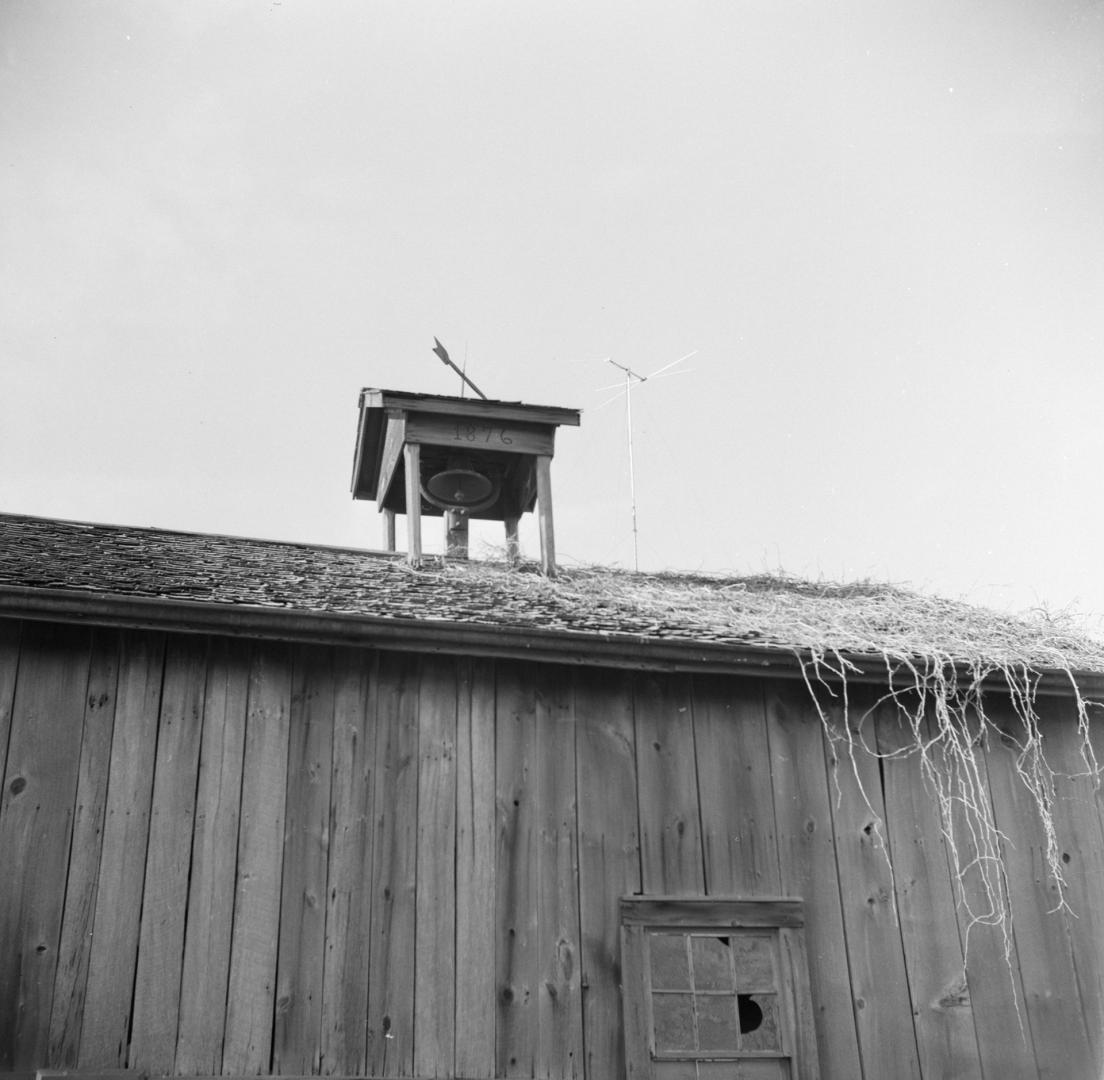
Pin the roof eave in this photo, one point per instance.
(579, 648)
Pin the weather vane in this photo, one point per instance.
(442, 352)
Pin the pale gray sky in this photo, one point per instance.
(880, 224)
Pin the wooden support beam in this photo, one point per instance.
(456, 534)
(412, 453)
(513, 551)
(544, 515)
(389, 530)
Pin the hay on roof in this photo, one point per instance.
(789, 613)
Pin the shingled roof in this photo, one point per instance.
(143, 576)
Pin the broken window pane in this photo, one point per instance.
(749, 1015)
(765, 1035)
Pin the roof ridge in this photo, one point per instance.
(160, 530)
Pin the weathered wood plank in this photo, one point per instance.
(545, 524)
(794, 959)
(435, 968)
(670, 821)
(349, 899)
(734, 781)
(609, 856)
(992, 963)
(1079, 834)
(559, 992)
(879, 985)
(247, 1047)
(475, 869)
(807, 864)
(84, 859)
(10, 631)
(412, 473)
(297, 1041)
(168, 857)
(390, 1045)
(943, 1017)
(635, 1008)
(517, 1033)
(111, 964)
(1051, 995)
(389, 459)
(36, 818)
(206, 969)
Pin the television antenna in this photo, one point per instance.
(632, 380)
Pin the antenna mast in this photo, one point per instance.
(630, 375)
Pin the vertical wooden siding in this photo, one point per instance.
(36, 820)
(261, 858)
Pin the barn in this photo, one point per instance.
(281, 809)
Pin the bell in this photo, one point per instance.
(462, 489)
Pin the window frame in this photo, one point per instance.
(784, 916)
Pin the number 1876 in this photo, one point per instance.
(481, 433)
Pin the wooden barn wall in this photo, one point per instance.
(225, 857)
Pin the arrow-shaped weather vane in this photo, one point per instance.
(442, 352)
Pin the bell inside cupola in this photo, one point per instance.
(461, 487)
(462, 459)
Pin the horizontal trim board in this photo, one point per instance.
(577, 648)
(710, 912)
(466, 438)
(372, 398)
(138, 1074)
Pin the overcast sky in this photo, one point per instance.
(880, 224)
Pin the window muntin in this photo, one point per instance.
(714, 994)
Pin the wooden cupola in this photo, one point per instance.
(466, 458)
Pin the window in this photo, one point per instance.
(716, 989)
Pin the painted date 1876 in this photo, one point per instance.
(481, 433)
